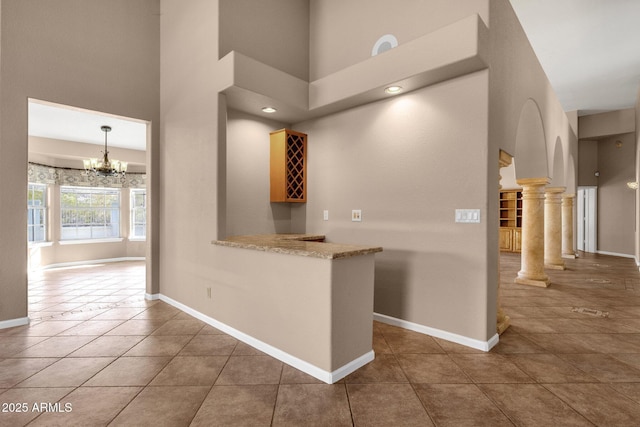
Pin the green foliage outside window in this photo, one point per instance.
(89, 213)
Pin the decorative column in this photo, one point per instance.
(532, 256)
(502, 321)
(553, 228)
(567, 226)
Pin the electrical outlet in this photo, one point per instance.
(325, 215)
(356, 215)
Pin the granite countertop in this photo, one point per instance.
(308, 245)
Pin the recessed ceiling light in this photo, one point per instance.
(268, 110)
(393, 89)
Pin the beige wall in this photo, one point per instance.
(601, 125)
(56, 254)
(99, 56)
(357, 160)
(343, 33)
(248, 208)
(616, 202)
(299, 305)
(381, 159)
(588, 163)
(399, 161)
(616, 164)
(192, 140)
(275, 32)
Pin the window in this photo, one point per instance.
(36, 212)
(138, 213)
(89, 213)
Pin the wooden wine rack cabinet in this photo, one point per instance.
(288, 161)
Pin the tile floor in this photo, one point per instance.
(106, 356)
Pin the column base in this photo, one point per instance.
(555, 266)
(503, 322)
(569, 256)
(541, 283)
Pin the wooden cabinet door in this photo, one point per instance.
(517, 240)
(506, 240)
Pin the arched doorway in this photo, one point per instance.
(532, 174)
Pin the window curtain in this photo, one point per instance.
(43, 174)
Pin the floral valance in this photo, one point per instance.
(43, 174)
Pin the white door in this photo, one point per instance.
(587, 219)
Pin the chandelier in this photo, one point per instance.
(105, 167)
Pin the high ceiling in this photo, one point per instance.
(589, 49)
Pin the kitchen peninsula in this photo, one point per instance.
(304, 301)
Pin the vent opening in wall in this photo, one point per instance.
(384, 43)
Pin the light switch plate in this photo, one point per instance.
(325, 215)
(468, 216)
(356, 215)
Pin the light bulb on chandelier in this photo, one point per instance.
(104, 166)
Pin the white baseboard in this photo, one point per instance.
(12, 323)
(438, 333)
(350, 367)
(151, 297)
(90, 262)
(306, 367)
(615, 254)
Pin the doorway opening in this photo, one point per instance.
(587, 201)
(76, 217)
